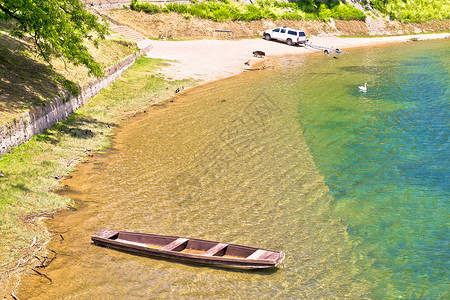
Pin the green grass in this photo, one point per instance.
(387, 35)
(29, 172)
(225, 10)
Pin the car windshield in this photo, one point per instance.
(276, 30)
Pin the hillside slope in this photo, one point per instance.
(194, 28)
(26, 80)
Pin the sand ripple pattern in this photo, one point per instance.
(226, 161)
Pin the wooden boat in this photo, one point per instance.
(189, 250)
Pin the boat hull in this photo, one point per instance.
(189, 250)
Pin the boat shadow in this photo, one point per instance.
(265, 271)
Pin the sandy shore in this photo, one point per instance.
(209, 60)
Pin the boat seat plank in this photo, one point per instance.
(215, 249)
(130, 242)
(175, 244)
(257, 254)
(268, 255)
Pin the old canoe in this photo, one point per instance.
(189, 250)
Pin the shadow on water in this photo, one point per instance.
(361, 69)
(322, 73)
(268, 271)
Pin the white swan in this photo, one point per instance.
(363, 88)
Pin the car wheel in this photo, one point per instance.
(289, 42)
(267, 37)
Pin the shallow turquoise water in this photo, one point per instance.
(384, 155)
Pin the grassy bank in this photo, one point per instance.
(29, 174)
(26, 80)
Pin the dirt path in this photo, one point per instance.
(209, 60)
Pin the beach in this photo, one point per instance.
(210, 60)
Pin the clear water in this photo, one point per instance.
(385, 157)
(352, 186)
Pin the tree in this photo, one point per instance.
(57, 27)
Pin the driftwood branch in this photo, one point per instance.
(25, 263)
(71, 208)
(70, 162)
(47, 214)
(34, 241)
(19, 263)
(14, 289)
(32, 218)
(42, 274)
(45, 261)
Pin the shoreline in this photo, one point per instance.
(211, 60)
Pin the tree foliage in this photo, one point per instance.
(57, 27)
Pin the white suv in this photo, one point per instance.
(285, 34)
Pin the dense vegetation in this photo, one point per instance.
(408, 11)
(58, 28)
(226, 10)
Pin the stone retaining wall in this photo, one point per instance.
(40, 118)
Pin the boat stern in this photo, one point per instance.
(104, 234)
(280, 259)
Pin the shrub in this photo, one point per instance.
(146, 7)
(221, 14)
(225, 10)
(252, 13)
(347, 12)
(408, 11)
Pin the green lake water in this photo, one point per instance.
(384, 155)
(352, 186)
